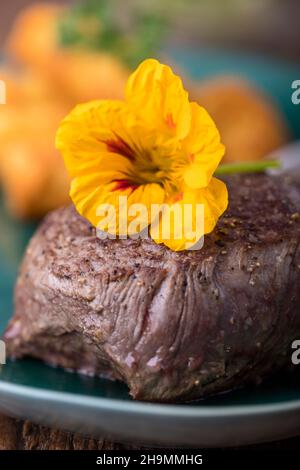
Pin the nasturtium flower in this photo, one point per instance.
(155, 147)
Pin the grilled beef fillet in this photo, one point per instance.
(173, 326)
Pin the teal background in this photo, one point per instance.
(274, 77)
(14, 237)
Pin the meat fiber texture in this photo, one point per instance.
(174, 326)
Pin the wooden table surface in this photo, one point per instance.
(22, 435)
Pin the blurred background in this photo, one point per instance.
(238, 58)
(269, 26)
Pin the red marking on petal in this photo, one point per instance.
(192, 157)
(121, 147)
(170, 121)
(122, 185)
(178, 197)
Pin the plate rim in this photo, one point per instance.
(138, 407)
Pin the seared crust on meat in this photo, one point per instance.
(173, 326)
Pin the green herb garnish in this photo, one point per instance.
(247, 167)
(93, 25)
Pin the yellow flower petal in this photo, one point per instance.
(152, 148)
(193, 216)
(158, 96)
(203, 147)
(215, 200)
(94, 201)
(87, 133)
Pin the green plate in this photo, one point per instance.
(101, 408)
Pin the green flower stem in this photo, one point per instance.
(247, 167)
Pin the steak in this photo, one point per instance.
(175, 326)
